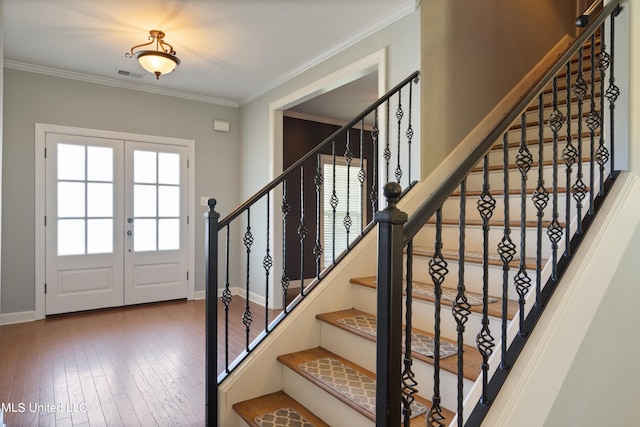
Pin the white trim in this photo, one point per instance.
(41, 129)
(324, 120)
(19, 317)
(72, 75)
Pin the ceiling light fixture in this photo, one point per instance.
(160, 61)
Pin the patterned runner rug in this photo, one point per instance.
(420, 343)
(283, 417)
(448, 294)
(355, 386)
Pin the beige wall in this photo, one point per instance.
(473, 53)
(30, 98)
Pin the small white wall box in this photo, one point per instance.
(221, 125)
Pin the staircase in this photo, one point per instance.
(536, 189)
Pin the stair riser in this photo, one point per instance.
(363, 352)
(474, 239)
(321, 403)
(533, 132)
(423, 316)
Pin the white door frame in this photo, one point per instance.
(370, 63)
(41, 129)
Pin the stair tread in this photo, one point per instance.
(294, 360)
(494, 308)
(471, 356)
(493, 223)
(251, 409)
(546, 141)
(475, 257)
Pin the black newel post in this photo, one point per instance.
(211, 328)
(389, 328)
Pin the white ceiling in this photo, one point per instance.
(231, 51)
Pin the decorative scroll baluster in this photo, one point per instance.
(362, 178)
(302, 231)
(506, 250)
(318, 181)
(267, 263)
(409, 384)
(284, 281)
(569, 157)
(247, 318)
(603, 61)
(593, 123)
(374, 184)
(524, 160)
(579, 190)
(409, 132)
(347, 221)
(554, 231)
(540, 198)
(399, 115)
(437, 270)
(612, 92)
(484, 340)
(461, 308)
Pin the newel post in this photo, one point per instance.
(211, 322)
(389, 325)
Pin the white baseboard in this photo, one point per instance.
(19, 317)
(198, 295)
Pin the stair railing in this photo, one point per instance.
(573, 137)
(345, 172)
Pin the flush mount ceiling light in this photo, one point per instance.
(160, 61)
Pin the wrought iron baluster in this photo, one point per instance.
(362, 178)
(409, 132)
(247, 317)
(506, 250)
(226, 300)
(409, 383)
(603, 61)
(387, 150)
(318, 181)
(613, 92)
(374, 185)
(554, 231)
(593, 122)
(438, 271)
(579, 189)
(347, 221)
(333, 202)
(524, 160)
(484, 340)
(569, 157)
(540, 198)
(302, 231)
(399, 115)
(284, 281)
(461, 308)
(267, 263)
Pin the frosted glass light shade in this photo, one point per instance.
(157, 62)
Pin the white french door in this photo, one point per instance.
(116, 222)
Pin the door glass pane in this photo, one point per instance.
(100, 164)
(144, 200)
(168, 168)
(169, 234)
(71, 237)
(71, 164)
(144, 235)
(71, 199)
(99, 236)
(99, 200)
(168, 201)
(144, 167)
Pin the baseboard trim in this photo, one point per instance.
(19, 317)
(199, 295)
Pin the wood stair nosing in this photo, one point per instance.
(494, 223)
(249, 410)
(294, 360)
(562, 102)
(494, 308)
(475, 257)
(472, 358)
(513, 166)
(517, 126)
(547, 140)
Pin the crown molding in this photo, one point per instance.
(324, 120)
(396, 15)
(72, 75)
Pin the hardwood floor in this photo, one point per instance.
(134, 366)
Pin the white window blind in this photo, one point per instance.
(334, 231)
